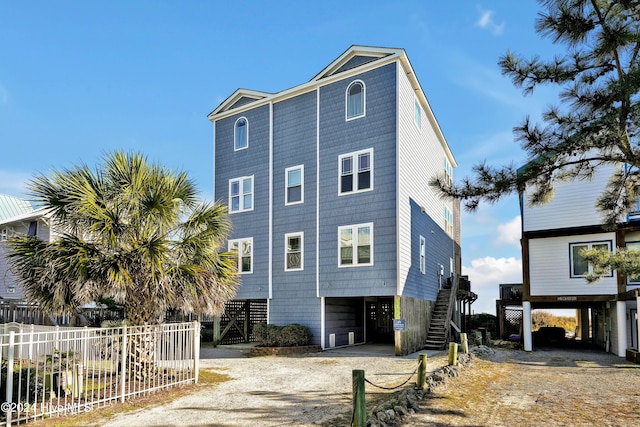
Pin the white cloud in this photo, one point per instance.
(486, 22)
(486, 274)
(510, 232)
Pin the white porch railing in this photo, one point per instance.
(47, 371)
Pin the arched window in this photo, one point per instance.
(355, 104)
(241, 134)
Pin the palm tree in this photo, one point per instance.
(131, 231)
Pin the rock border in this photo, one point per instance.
(392, 412)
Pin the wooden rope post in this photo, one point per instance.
(453, 353)
(464, 343)
(359, 402)
(422, 371)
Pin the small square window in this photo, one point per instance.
(580, 267)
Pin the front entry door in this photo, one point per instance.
(380, 321)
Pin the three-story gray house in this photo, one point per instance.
(334, 222)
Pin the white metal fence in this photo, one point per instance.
(55, 370)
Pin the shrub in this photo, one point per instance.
(281, 336)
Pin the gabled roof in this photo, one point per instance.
(239, 98)
(355, 56)
(11, 206)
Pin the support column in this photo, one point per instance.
(638, 325)
(621, 320)
(526, 326)
(584, 326)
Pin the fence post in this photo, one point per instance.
(464, 343)
(422, 371)
(453, 353)
(196, 350)
(123, 363)
(9, 400)
(359, 401)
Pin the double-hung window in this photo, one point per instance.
(448, 171)
(355, 100)
(3, 235)
(294, 251)
(580, 267)
(241, 134)
(241, 194)
(356, 171)
(356, 245)
(243, 248)
(294, 177)
(633, 246)
(423, 255)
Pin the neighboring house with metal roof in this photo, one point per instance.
(17, 216)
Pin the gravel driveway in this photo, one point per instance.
(510, 388)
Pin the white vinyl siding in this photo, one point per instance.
(551, 258)
(415, 170)
(573, 204)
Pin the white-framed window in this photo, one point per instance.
(634, 246)
(581, 267)
(417, 114)
(244, 251)
(448, 171)
(294, 251)
(423, 255)
(3, 235)
(356, 245)
(294, 185)
(241, 194)
(241, 134)
(355, 100)
(356, 172)
(448, 221)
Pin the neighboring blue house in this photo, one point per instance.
(334, 221)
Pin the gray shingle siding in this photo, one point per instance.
(231, 164)
(294, 143)
(356, 61)
(439, 251)
(376, 130)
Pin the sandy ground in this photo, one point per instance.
(509, 388)
(540, 388)
(280, 391)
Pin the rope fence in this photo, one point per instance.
(399, 385)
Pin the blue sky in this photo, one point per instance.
(82, 78)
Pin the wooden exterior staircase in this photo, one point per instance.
(440, 325)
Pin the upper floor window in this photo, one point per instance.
(580, 267)
(241, 134)
(3, 235)
(356, 245)
(634, 246)
(423, 255)
(448, 221)
(241, 194)
(243, 248)
(33, 228)
(448, 171)
(417, 114)
(356, 171)
(294, 190)
(355, 103)
(294, 248)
